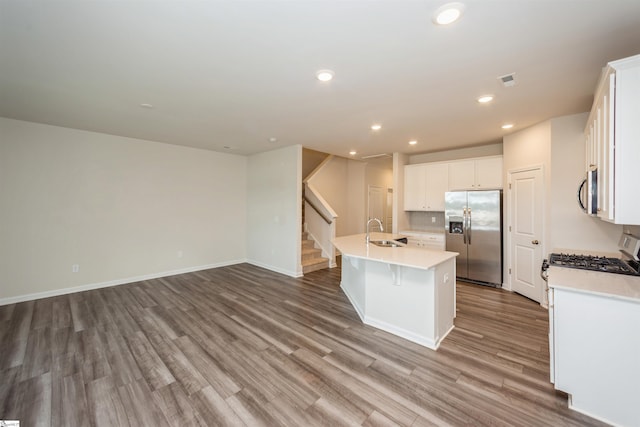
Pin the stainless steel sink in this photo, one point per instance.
(387, 243)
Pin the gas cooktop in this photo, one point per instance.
(595, 263)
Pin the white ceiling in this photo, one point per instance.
(235, 73)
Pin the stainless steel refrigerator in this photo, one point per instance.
(473, 228)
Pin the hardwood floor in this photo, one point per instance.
(241, 345)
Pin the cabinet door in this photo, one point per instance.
(415, 188)
(605, 115)
(596, 346)
(589, 144)
(462, 175)
(414, 242)
(437, 179)
(489, 173)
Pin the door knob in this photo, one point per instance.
(535, 242)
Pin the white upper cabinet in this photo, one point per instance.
(489, 173)
(415, 187)
(476, 174)
(612, 139)
(437, 177)
(424, 186)
(426, 183)
(462, 175)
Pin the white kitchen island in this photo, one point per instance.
(406, 291)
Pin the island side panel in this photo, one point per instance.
(401, 300)
(353, 282)
(445, 278)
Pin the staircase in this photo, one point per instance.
(312, 259)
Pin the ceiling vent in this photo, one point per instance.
(508, 80)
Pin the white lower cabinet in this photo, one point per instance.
(425, 240)
(595, 354)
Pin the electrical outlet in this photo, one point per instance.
(75, 268)
(446, 277)
(433, 219)
(180, 254)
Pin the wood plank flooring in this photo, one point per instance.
(241, 345)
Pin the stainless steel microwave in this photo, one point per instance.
(588, 193)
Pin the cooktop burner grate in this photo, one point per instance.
(594, 263)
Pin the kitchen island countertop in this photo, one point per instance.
(356, 246)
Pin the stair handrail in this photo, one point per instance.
(318, 203)
(320, 222)
(317, 209)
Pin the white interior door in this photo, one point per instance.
(377, 204)
(526, 213)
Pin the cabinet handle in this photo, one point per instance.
(535, 242)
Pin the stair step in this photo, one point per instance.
(310, 253)
(312, 259)
(308, 244)
(314, 264)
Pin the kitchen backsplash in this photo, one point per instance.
(426, 221)
(632, 229)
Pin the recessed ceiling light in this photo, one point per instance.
(448, 13)
(413, 142)
(507, 126)
(353, 152)
(324, 75)
(146, 105)
(485, 98)
(273, 139)
(376, 127)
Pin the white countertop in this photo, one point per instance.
(356, 246)
(595, 282)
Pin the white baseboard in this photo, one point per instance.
(289, 273)
(403, 333)
(91, 286)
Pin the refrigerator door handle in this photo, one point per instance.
(464, 225)
(469, 225)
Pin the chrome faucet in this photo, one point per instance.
(369, 222)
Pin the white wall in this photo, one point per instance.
(570, 228)
(379, 174)
(332, 183)
(461, 153)
(558, 145)
(354, 217)
(529, 147)
(120, 208)
(343, 183)
(274, 210)
(401, 219)
(310, 160)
